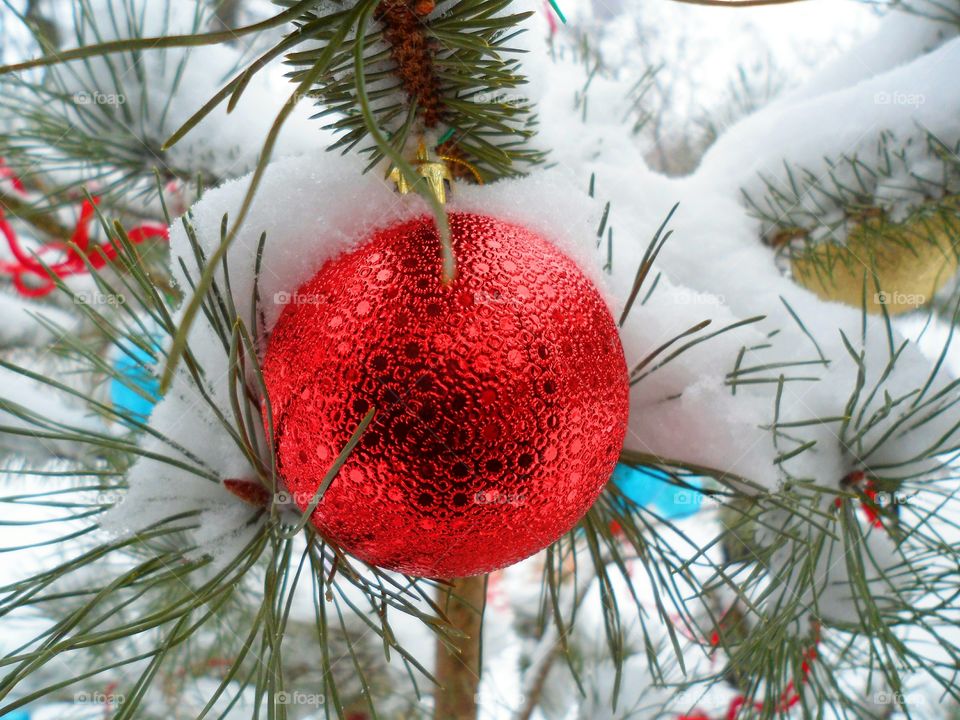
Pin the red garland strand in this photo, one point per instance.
(77, 253)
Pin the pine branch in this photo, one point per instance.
(411, 53)
(158, 42)
(39, 219)
(803, 203)
(454, 67)
(71, 131)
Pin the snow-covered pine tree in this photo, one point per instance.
(199, 521)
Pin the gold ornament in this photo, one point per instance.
(899, 266)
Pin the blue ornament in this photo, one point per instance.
(654, 489)
(134, 366)
(641, 485)
(677, 502)
(17, 715)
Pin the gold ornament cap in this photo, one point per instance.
(434, 171)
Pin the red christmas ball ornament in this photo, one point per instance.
(501, 398)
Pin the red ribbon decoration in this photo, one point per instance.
(76, 256)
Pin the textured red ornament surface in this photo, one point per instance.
(501, 399)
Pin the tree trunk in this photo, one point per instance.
(458, 667)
